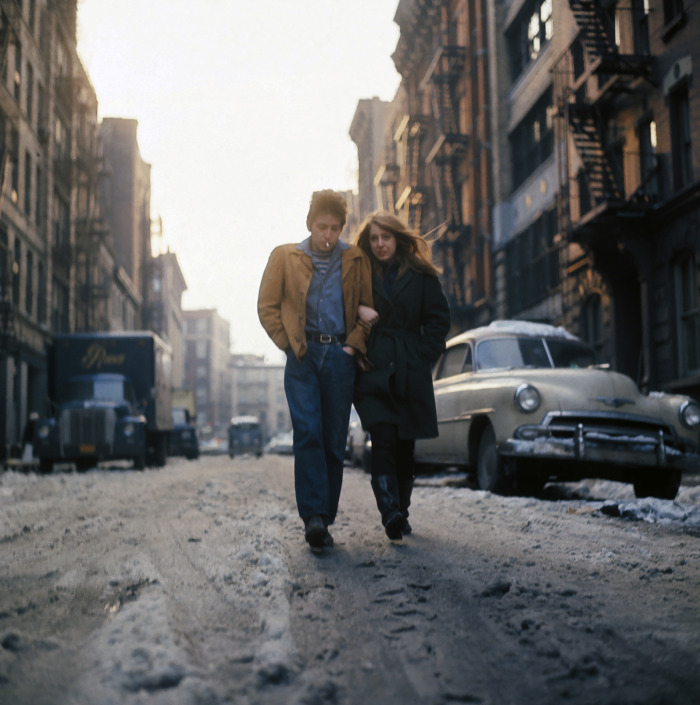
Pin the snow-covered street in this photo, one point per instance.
(193, 585)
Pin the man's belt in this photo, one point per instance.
(325, 338)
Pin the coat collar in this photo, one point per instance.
(401, 282)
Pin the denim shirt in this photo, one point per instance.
(324, 299)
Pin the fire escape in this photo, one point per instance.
(9, 117)
(91, 229)
(411, 194)
(415, 19)
(590, 82)
(448, 150)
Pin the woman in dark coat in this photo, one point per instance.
(394, 395)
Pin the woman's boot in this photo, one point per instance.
(405, 487)
(386, 492)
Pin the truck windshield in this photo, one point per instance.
(247, 426)
(100, 390)
(180, 416)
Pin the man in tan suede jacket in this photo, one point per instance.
(308, 302)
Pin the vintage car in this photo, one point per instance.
(520, 404)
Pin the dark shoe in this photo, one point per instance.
(407, 528)
(316, 532)
(328, 540)
(394, 527)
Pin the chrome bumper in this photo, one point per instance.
(597, 447)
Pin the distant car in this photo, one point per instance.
(213, 446)
(520, 404)
(358, 446)
(245, 436)
(183, 437)
(281, 444)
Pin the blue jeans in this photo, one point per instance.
(319, 390)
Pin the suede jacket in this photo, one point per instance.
(282, 296)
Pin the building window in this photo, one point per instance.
(32, 16)
(532, 141)
(14, 165)
(202, 349)
(37, 199)
(30, 93)
(27, 183)
(59, 307)
(532, 264)
(16, 274)
(4, 263)
(687, 315)
(29, 284)
(592, 322)
(528, 35)
(41, 293)
(649, 180)
(640, 17)
(60, 221)
(680, 137)
(672, 10)
(18, 71)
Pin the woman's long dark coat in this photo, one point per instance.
(414, 319)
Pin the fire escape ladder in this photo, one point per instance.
(597, 33)
(598, 37)
(604, 179)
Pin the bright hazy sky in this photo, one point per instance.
(244, 108)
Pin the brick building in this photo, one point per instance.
(551, 149)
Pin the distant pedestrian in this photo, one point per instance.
(394, 396)
(308, 302)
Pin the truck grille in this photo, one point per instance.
(87, 426)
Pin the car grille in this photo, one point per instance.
(87, 426)
(608, 425)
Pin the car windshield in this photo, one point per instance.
(99, 390)
(513, 353)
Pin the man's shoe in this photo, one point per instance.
(316, 532)
(328, 540)
(407, 528)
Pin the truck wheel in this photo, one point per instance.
(491, 467)
(659, 483)
(45, 465)
(83, 465)
(140, 461)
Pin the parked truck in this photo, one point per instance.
(110, 399)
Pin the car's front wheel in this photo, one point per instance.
(491, 467)
(663, 485)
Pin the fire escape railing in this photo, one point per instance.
(448, 147)
(588, 116)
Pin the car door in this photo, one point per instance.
(452, 372)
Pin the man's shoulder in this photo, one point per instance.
(353, 252)
(290, 248)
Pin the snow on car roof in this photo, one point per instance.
(531, 328)
(513, 327)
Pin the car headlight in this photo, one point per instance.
(527, 398)
(43, 431)
(689, 414)
(128, 430)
